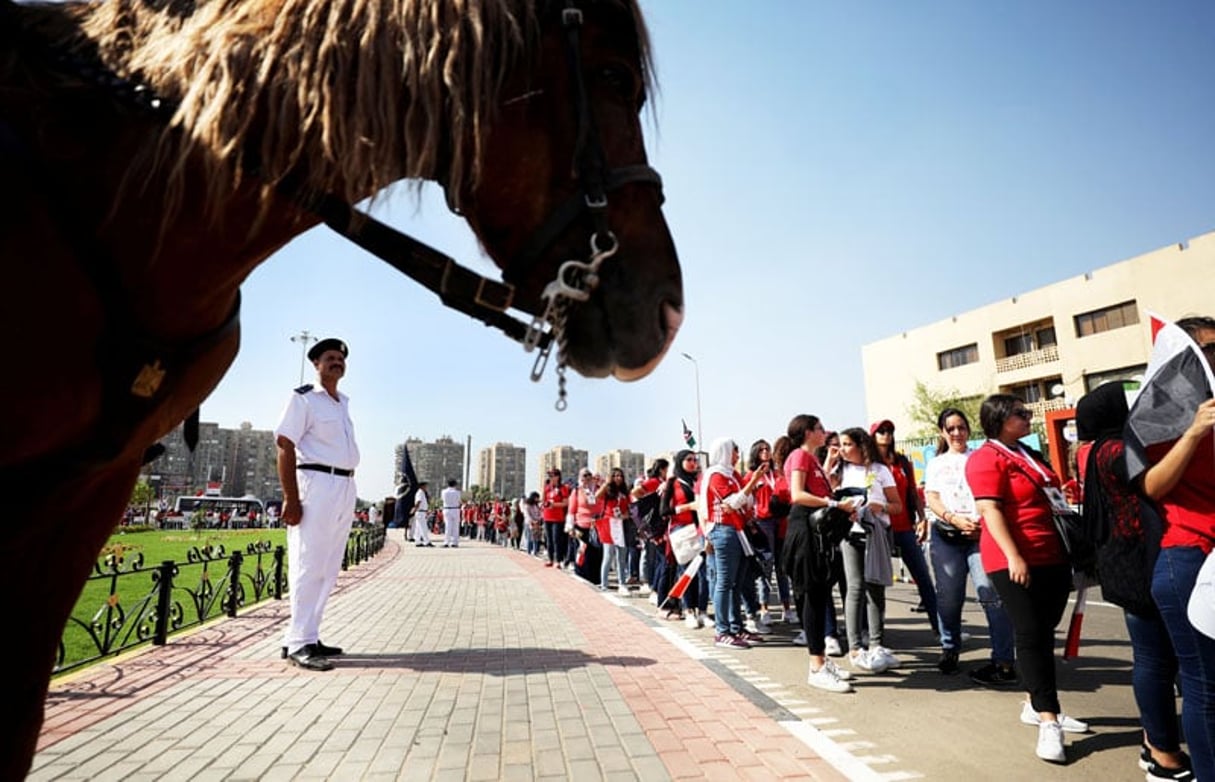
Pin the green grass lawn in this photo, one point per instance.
(157, 546)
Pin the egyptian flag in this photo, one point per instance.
(1176, 382)
(687, 434)
(408, 492)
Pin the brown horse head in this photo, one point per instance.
(533, 160)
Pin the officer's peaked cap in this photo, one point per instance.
(319, 348)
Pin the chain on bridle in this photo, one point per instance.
(457, 286)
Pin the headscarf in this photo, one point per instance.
(679, 472)
(1100, 415)
(721, 462)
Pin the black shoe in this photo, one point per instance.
(918, 609)
(948, 664)
(310, 659)
(324, 650)
(992, 675)
(1159, 773)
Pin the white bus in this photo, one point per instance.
(221, 512)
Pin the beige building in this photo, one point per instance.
(631, 462)
(1049, 346)
(502, 468)
(242, 461)
(566, 458)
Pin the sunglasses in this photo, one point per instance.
(1024, 412)
(885, 430)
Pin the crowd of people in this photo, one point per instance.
(780, 529)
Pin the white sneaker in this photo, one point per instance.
(839, 672)
(824, 679)
(765, 616)
(644, 589)
(886, 656)
(831, 646)
(700, 621)
(860, 661)
(791, 616)
(654, 599)
(1050, 742)
(758, 626)
(622, 590)
(868, 661)
(800, 639)
(690, 622)
(1069, 724)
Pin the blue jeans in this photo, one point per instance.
(727, 559)
(1172, 582)
(617, 553)
(696, 597)
(1153, 671)
(768, 527)
(913, 559)
(952, 562)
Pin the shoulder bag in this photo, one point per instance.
(1069, 525)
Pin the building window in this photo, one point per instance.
(1028, 392)
(1107, 318)
(958, 357)
(1022, 343)
(1130, 377)
(1045, 337)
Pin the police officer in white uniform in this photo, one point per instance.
(421, 508)
(451, 515)
(316, 460)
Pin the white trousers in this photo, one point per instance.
(421, 530)
(315, 548)
(451, 526)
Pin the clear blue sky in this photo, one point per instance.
(835, 173)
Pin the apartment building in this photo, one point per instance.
(437, 462)
(631, 462)
(566, 458)
(1049, 346)
(502, 468)
(242, 461)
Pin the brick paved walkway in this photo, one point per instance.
(475, 663)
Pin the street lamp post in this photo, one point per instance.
(696, 369)
(305, 339)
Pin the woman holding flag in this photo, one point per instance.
(1180, 478)
(679, 505)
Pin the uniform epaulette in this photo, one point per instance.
(304, 389)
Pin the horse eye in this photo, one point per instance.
(620, 78)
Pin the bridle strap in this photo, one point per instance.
(457, 287)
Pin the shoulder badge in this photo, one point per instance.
(304, 389)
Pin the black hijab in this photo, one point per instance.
(1100, 416)
(679, 472)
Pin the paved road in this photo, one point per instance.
(479, 663)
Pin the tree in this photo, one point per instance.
(928, 404)
(477, 493)
(142, 496)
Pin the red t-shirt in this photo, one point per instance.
(901, 521)
(553, 495)
(773, 484)
(815, 481)
(1189, 509)
(721, 487)
(991, 474)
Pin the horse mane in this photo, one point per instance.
(348, 95)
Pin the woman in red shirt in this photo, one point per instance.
(1024, 556)
(768, 516)
(556, 499)
(1181, 480)
(809, 490)
(725, 500)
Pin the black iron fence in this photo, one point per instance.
(173, 596)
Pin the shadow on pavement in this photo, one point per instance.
(494, 662)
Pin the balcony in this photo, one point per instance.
(1033, 358)
(1042, 408)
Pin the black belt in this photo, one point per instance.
(325, 468)
(451, 507)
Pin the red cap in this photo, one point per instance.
(879, 424)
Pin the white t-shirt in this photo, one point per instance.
(858, 476)
(946, 475)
